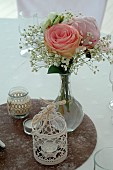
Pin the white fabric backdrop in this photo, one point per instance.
(93, 8)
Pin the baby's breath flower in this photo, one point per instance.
(33, 38)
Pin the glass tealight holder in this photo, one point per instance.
(27, 124)
(19, 102)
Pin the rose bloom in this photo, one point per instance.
(63, 39)
(88, 29)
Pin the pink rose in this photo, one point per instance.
(88, 29)
(63, 39)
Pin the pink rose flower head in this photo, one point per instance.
(62, 39)
(88, 29)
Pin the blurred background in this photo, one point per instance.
(8, 9)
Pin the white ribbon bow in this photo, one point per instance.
(46, 111)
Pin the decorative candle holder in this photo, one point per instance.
(49, 134)
(27, 125)
(18, 102)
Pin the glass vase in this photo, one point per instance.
(72, 110)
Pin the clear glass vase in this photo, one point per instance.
(72, 110)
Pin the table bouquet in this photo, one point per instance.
(63, 43)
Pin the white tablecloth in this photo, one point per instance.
(92, 91)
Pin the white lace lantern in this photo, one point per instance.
(49, 136)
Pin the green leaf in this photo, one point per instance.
(55, 69)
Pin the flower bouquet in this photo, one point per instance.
(63, 43)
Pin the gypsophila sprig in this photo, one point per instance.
(65, 42)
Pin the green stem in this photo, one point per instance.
(65, 90)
